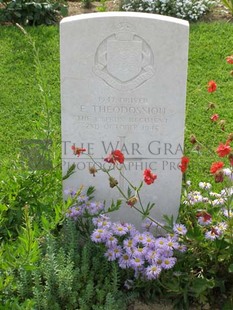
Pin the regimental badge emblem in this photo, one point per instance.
(124, 60)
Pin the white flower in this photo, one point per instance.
(216, 195)
(227, 192)
(194, 197)
(221, 227)
(218, 202)
(227, 213)
(228, 172)
(205, 185)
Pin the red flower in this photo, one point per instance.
(214, 117)
(206, 217)
(223, 149)
(114, 157)
(216, 167)
(230, 157)
(229, 59)
(219, 176)
(184, 164)
(77, 150)
(214, 232)
(149, 177)
(212, 86)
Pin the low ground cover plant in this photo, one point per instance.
(184, 9)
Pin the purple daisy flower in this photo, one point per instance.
(168, 262)
(74, 212)
(165, 252)
(117, 250)
(172, 243)
(100, 235)
(180, 229)
(96, 237)
(130, 228)
(111, 241)
(119, 229)
(110, 255)
(152, 272)
(139, 251)
(182, 248)
(139, 238)
(149, 242)
(95, 207)
(102, 220)
(129, 243)
(136, 262)
(161, 243)
(152, 256)
(124, 261)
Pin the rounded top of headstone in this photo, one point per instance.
(158, 17)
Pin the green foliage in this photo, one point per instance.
(18, 259)
(20, 96)
(86, 4)
(45, 262)
(22, 184)
(39, 190)
(32, 13)
(61, 271)
(204, 270)
(102, 7)
(229, 5)
(72, 274)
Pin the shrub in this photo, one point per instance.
(70, 274)
(32, 12)
(186, 9)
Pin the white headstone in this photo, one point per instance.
(123, 86)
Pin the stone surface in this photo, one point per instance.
(123, 84)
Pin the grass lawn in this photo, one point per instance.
(22, 113)
(210, 43)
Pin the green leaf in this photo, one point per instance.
(90, 191)
(129, 192)
(3, 208)
(114, 206)
(139, 187)
(200, 285)
(230, 268)
(45, 223)
(69, 172)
